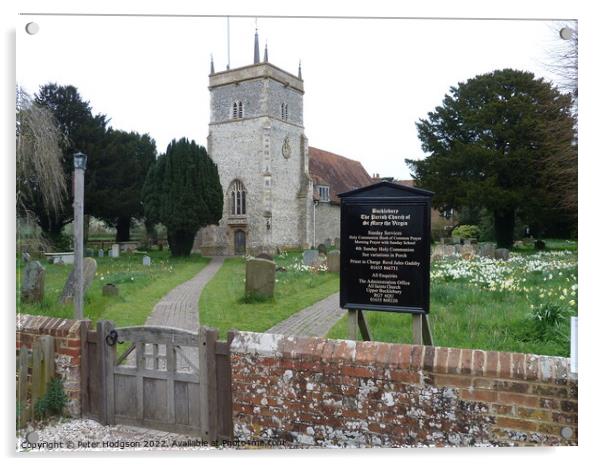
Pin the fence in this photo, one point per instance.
(35, 368)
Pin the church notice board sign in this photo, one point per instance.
(385, 248)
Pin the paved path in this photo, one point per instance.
(315, 320)
(180, 307)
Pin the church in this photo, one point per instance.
(279, 193)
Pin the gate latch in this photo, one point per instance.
(112, 337)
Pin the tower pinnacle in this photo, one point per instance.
(265, 53)
(212, 67)
(256, 54)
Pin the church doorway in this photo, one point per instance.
(240, 242)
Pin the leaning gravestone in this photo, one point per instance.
(69, 289)
(146, 260)
(322, 249)
(310, 256)
(101, 252)
(260, 278)
(115, 250)
(333, 260)
(32, 289)
(502, 253)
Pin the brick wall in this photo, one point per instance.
(317, 392)
(67, 347)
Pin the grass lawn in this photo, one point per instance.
(222, 302)
(521, 305)
(140, 287)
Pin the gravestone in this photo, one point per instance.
(101, 252)
(266, 256)
(468, 251)
(437, 252)
(327, 243)
(32, 288)
(487, 250)
(333, 260)
(322, 249)
(110, 290)
(310, 256)
(260, 278)
(115, 250)
(502, 253)
(88, 276)
(337, 243)
(146, 260)
(26, 256)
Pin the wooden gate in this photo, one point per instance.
(158, 377)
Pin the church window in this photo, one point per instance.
(237, 109)
(324, 192)
(284, 111)
(238, 198)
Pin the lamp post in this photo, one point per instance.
(79, 167)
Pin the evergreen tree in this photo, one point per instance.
(182, 191)
(115, 187)
(80, 131)
(488, 144)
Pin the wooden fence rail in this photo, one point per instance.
(35, 368)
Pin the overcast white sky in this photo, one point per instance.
(367, 82)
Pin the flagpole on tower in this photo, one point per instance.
(228, 24)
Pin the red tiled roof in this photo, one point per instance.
(338, 172)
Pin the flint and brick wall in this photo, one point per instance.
(316, 392)
(67, 348)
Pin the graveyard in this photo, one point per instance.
(478, 303)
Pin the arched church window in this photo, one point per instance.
(238, 198)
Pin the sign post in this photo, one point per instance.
(385, 255)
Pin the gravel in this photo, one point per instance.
(89, 435)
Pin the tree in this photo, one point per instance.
(182, 191)
(488, 143)
(39, 171)
(115, 186)
(80, 131)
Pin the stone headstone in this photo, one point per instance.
(101, 252)
(468, 251)
(115, 250)
(333, 260)
(456, 240)
(322, 249)
(337, 243)
(26, 256)
(447, 240)
(502, 253)
(487, 250)
(110, 290)
(437, 252)
(146, 260)
(88, 275)
(32, 288)
(260, 278)
(472, 241)
(328, 243)
(110, 253)
(310, 256)
(266, 256)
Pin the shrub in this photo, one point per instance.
(466, 231)
(54, 401)
(548, 322)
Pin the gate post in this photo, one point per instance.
(208, 383)
(106, 363)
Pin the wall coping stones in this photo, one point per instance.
(437, 360)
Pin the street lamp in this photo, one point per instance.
(79, 167)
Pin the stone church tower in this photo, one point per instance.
(256, 138)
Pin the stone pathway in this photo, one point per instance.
(315, 320)
(180, 307)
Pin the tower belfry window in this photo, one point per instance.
(237, 109)
(284, 111)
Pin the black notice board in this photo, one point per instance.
(385, 248)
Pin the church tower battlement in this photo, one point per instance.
(256, 138)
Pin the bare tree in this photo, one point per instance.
(39, 171)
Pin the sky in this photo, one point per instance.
(367, 81)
